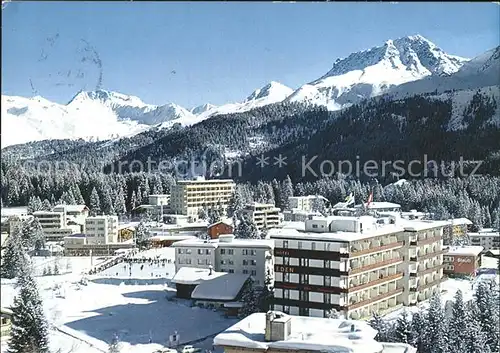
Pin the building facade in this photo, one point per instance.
(226, 254)
(188, 197)
(462, 260)
(354, 265)
(264, 216)
(219, 228)
(54, 225)
(302, 203)
(101, 229)
(489, 239)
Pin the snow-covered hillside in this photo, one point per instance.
(372, 72)
(98, 114)
(482, 71)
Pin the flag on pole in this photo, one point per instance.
(370, 199)
(349, 199)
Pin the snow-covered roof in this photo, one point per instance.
(72, 208)
(489, 262)
(307, 334)
(6, 311)
(379, 205)
(460, 221)
(227, 221)
(201, 181)
(233, 243)
(76, 235)
(13, 211)
(485, 234)
(127, 225)
(193, 275)
(465, 250)
(176, 237)
(224, 287)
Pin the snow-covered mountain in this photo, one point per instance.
(202, 108)
(481, 71)
(98, 114)
(372, 72)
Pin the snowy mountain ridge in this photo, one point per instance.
(372, 72)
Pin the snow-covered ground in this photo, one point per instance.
(84, 318)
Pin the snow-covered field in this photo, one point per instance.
(84, 318)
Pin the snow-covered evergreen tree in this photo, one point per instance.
(95, 203)
(418, 324)
(246, 229)
(140, 234)
(457, 323)
(236, 203)
(379, 324)
(402, 329)
(203, 214)
(13, 256)
(286, 193)
(250, 299)
(487, 301)
(435, 334)
(34, 204)
(29, 332)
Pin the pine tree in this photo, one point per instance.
(214, 216)
(457, 323)
(474, 339)
(29, 332)
(487, 301)
(402, 331)
(34, 204)
(418, 324)
(236, 203)
(435, 330)
(46, 206)
(246, 229)
(140, 234)
(286, 193)
(379, 324)
(202, 214)
(14, 255)
(95, 204)
(250, 300)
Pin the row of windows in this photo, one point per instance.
(251, 252)
(188, 261)
(313, 245)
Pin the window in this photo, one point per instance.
(207, 261)
(222, 262)
(188, 251)
(231, 270)
(254, 273)
(328, 281)
(300, 245)
(315, 226)
(200, 251)
(244, 251)
(253, 252)
(286, 293)
(313, 246)
(253, 262)
(285, 244)
(222, 251)
(245, 272)
(179, 251)
(200, 261)
(208, 251)
(245, 262)
(188, 261)
(230, 251)
(231, 262)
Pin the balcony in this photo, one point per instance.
(430, 270)
(419, 242)
(421, 287)
(372, 300)
(358, 253)
(430, 255)
(376, 265)
(376, 282)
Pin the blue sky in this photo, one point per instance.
(193, 53)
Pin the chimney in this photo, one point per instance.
(278, 326)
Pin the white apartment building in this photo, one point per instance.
(381, 206)
(188, 197)
(101, 229)
(227, 254)
(355, 265)
(54, 225)
(74, 213)
(303, 203)
(487, 238)
(263, 215)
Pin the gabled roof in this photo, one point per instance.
(73, 208)
(226, 222)
(224, 287)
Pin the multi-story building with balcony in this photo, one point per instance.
(487, 238)
(423, 254)
(188, 197)
(344, 263)
(303, 203)
(101, 229)
(74, 213)
(54, 225)
(355, 265)
(263, 215)
(227, 254)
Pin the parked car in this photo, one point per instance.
(190, 349)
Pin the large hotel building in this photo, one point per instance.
(356, 265)
(188, 197)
